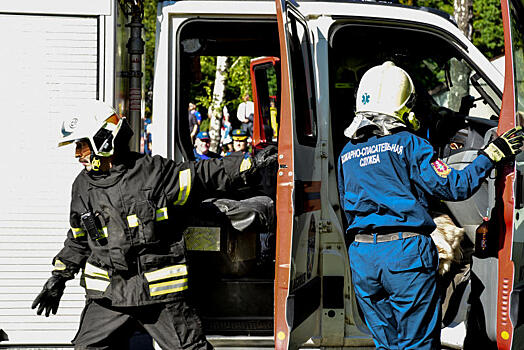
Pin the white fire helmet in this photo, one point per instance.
(389, 90)
(95, 122)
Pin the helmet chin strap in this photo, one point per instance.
(101, 164)
(411, 121)
(96, 162)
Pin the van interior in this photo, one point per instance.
(230, 241)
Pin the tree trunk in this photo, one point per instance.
(464, 16)
(217, 104)
(459, 72)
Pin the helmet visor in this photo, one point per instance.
(103, 140)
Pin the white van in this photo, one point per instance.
(318, 50)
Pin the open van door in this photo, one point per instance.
(297, 281)
(265, 81)
(510, 300)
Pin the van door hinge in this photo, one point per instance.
(324, 226)
(323, 152)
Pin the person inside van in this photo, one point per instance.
(386, 174)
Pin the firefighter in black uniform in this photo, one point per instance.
(124, 213)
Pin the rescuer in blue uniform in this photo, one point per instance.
(385, 175)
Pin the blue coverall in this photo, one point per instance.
(383, 184)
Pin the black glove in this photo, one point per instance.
(49, 297)
(265, 158)
(505, 146)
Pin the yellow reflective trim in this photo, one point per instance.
(161, 214)
(65, 143)
(132, 220)
(77, 232)
(168, 287)
(184, 177)
(166, 272)
(94, 271)
(59, 265)
(245, 165)
(96, 284)
(104, 232)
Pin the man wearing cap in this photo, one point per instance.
(201, 150)
(239, 140)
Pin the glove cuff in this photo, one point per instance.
(493, 152)
(65, 271)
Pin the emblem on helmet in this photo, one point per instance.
(73, 123)
(365, 98)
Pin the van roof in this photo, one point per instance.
(392, 3)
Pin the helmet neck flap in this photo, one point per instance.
(366, 124)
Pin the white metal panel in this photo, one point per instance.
(46, 64)
(54, 7)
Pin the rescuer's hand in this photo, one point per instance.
(505, 146)
(49, 297)
(265, 158)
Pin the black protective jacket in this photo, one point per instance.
(136, 254)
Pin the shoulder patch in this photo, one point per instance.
(441, 168)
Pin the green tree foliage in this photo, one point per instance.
(488, 34)
(149, 32)
(237, 83)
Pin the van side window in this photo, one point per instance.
(303, 88)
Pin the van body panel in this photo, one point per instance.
(57, 53)
(510, 330)
(59, 7)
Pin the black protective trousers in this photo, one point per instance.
(173, 325)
